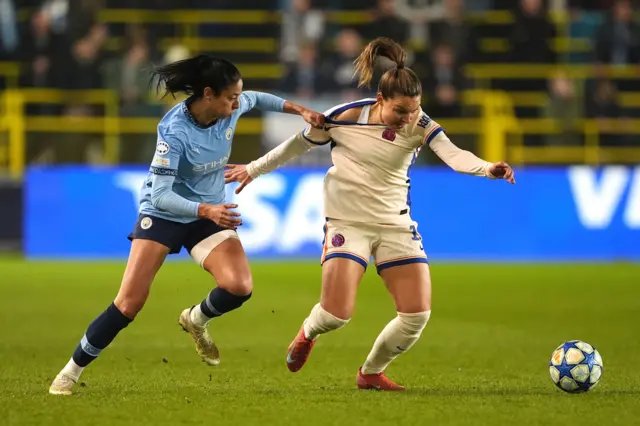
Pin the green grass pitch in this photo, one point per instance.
(481, 360)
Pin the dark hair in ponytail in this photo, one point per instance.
(192, 75)
(397, 80)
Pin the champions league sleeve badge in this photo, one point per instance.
(162, 148)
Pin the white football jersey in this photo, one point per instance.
(369, 180)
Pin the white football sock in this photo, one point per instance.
(320, 321)
(72, 370)
(396, 338)
(198, 317)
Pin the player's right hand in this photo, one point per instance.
(221, 214)
(502, 170)
(314, 118)
(237, 173)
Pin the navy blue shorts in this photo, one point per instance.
(173, 235)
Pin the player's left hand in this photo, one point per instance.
(314, 118)
(237, 173)
(502, 170)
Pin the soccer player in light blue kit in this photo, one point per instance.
(182, 204)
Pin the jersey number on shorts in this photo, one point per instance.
(415, 237)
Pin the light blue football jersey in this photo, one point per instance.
(188, 165)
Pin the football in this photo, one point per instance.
(575, 366)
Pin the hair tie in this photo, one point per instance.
(400, 66)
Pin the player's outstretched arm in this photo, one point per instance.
(312, 117)
(463, 161)
(268, 102)
(293, 147)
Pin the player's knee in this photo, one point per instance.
(334, 322)
(413, 305)
(323, 321)
(341, 314)
(242, 285)
(413, 324)
(339, 307)
(130, 305)
(238, 283)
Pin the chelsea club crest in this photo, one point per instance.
(228, 133)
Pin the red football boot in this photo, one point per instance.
(299, 351)
(376, 381)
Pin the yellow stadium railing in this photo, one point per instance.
(209, 44)
(111, 126)
(10, 71)
(12, 121)
(558, 44)
(270, 45)
(355, 17)
(540, 99)
(497, 118)
(188, 20)
(343, 17)
(223, 44)
(544, 71)
(592, 152)
(185, 16)
(500, 133)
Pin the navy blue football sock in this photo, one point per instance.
(220, 301)
(100, 333)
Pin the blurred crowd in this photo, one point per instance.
(63, 44)
(441, 41)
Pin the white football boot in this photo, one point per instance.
(62, 385)
(204, 345)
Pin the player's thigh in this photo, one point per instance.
(347, 249)
(403, 266)
(145, 259)
(398, 245)
(340, 280)
(410, 287)
(229, 266)
(152, 239)
(222, 255)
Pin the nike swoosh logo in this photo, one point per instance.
(289, 359)
(401, 349)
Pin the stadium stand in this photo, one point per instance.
(512, 80)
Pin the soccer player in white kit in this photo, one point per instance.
(366, 201)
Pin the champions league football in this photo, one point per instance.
(576, 366)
